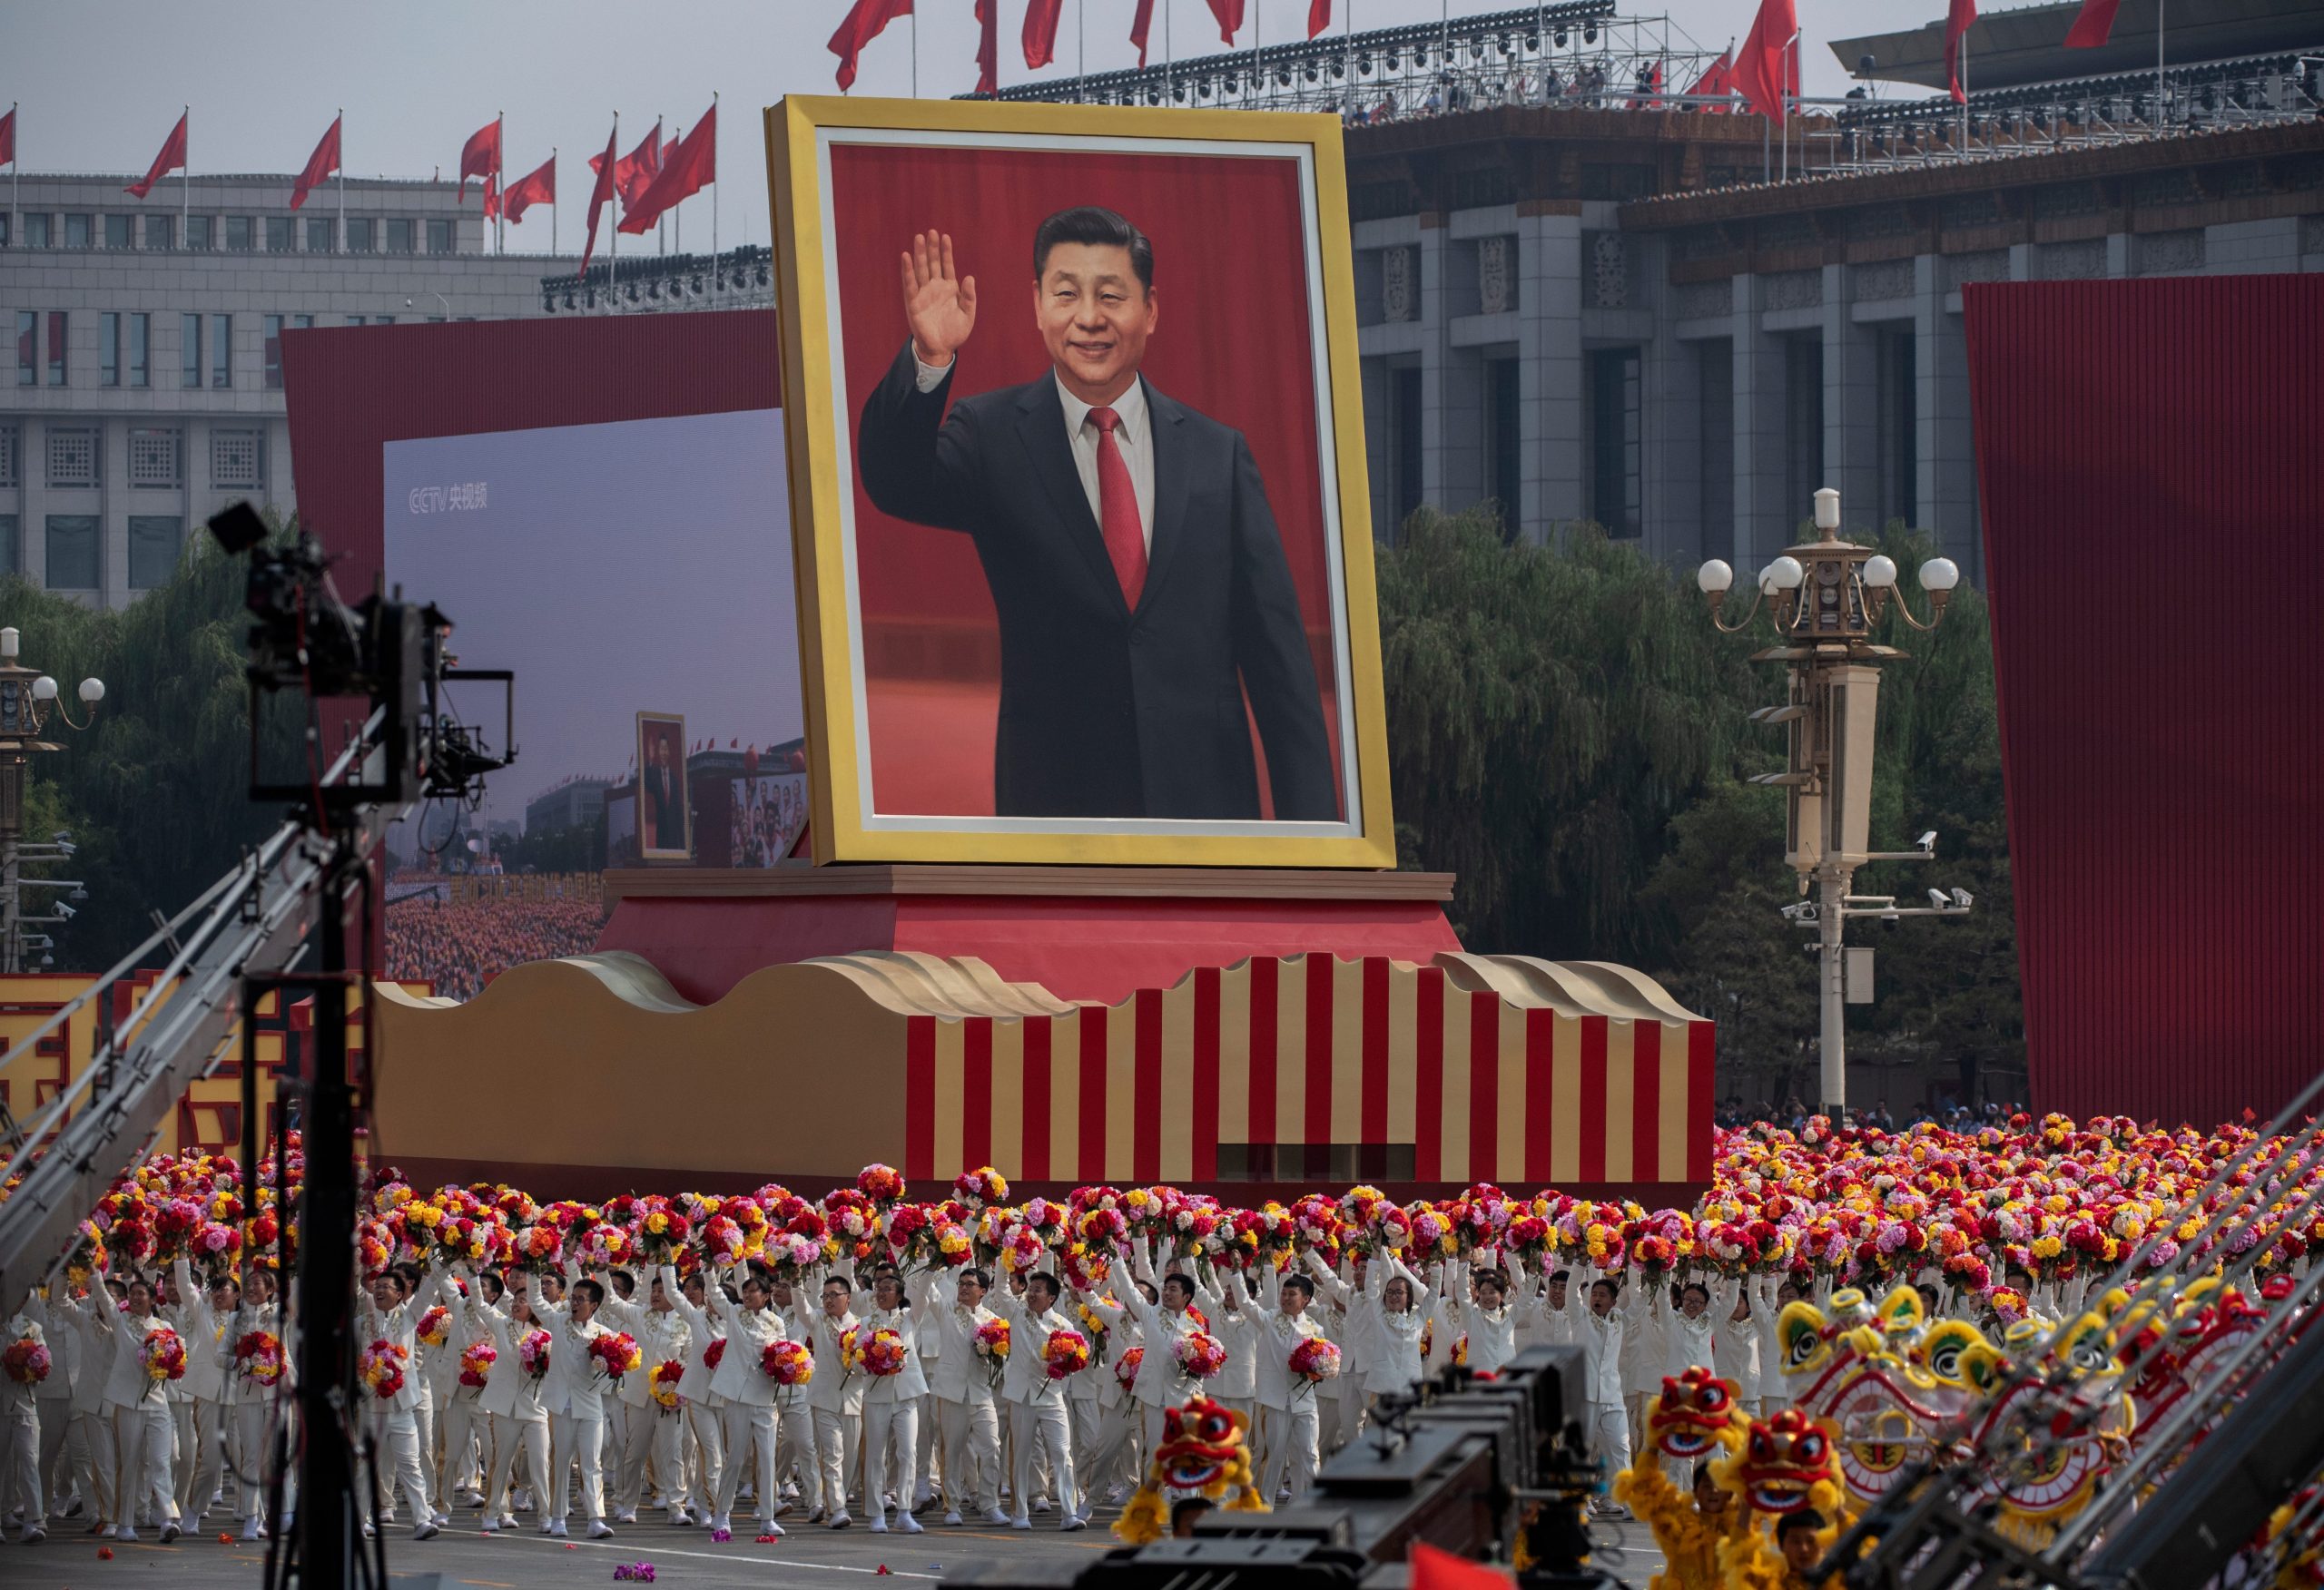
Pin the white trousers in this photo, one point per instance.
(20, 1470)
(1108, 1454)
(1042, 1423)
(891, 1438)
(576, 1440)
(838, 1435)
(706, 1423)
(201, 1456)
(466, 1425)
(397, 1431)
(1290, 1444)
(1614, 1439)
(251, 1459)
(97, 1452)
(749, 1431)
(794, 1447)
(927, 1461)
(633, 1433)
(58, 1471)
(512, 1439)
(672, 1474)
(141, 1436)
(972, 1455)
(423, 1426)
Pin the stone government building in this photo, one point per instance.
(1576, 299)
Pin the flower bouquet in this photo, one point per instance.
(532, 1354)
(1126, 1367)
(992, 1347)
(258, 1357)
(1199, 1354)
(882, 1184)
(712, 1352)
(980, 1187)
(953, 1246)
(217, 1248)
(174, 1225)
(1313, 1361)
(721, 1241)
(27, 1361)
(540, 1249)
(381, 1367)
(1065, 1354)
(164, 1354)
(661, 1232)
(435, 1325)
(663, 1383)
(614, 1354)
(476, 1363)
(787, 1363)
(884, 1355)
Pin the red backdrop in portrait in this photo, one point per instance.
(1233, 341)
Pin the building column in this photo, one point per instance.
(112, 519)
(1673, 455)
(1947, 468)
(1851, 409)
(31, 442)
(1430, 258)
(1550, 374)
(1763, 519)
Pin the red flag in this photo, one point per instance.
(858, 28)
(1717, 81)
(492, 196)
(1957, 18)
(535, 186)
(1040, 31)
(1762, 68)
(689, 166)
(172, 157)
(599, 197)
(1140, 25)
(1319, 16)
(1230, 18)
(320, 164)
(635, 172)
(1432, 1569)
(988, 46)
(480, 155)
(8, 137)
(2090, 29)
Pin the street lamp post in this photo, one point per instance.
(28, 699)
(1824, 598)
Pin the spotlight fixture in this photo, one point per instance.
(1559, 38)
(1590, 34)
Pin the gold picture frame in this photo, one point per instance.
(819, 413)
(669, 728)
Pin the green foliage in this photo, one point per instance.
(1567, 734)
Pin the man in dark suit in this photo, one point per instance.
(1126, 540)
(661, 787)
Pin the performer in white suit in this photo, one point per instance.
(892, 1410)
(253, 1402)
(962, 1391)
(1037, 1418)
(140, 1413)
(461, 1418)
(52, 1399)
(511, 1399)
(835, 1396)
(1290, 1416)
(94, 1346)
(575, 1397)
(202, 1445)
(20, 1477)
(1396, 1306)
(704, 1411)
(389, 1312)
(753, 1325)
(649, 1430)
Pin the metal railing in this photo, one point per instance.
(740, 277)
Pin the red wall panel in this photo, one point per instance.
(2148, 465)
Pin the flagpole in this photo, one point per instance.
(1080, 47)
(552, 200)
(613, 241)
(1783, 101)
(2162, 94)
(185, 182)
(661, 227)
(341, 115)
(1964, 94)
(16, 175)
(915, 55)
(500, 176)
(714, 150)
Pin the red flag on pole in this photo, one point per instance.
(320, 164)
(1716, 82)
(535, 187)
(1040, 31)
(635, 172)
(8, 137)
(689, 166)
(599, 197)
(1432, 1569)
(1140, 25)
(480, 155)
(1319, 16)
(1230, 18)
(1762, 67)
(988, 47)
(858, 28)
(2091, 28)
(1957, 19)
(172, 157)
(492, 196)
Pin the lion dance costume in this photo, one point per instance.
(1205, 1452)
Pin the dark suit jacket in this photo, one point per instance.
(1106, 712)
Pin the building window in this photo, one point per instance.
(383, 320)
(189, 338)
(56, 326)
(1715, 419)
(1617, 483)
(27, 348)
(37, 230)
(1504, 453)
(241, 234)
(282, 234)
(11, 473)
(72, 456)
(1803, 426)
(73, 552)
(319, 235)
(400, 237)
(440, 237)
(155, 541)
(271, 351)
(221, 350)
(237, 460)
(154, 452)
(161, 231)
(108, 349)
(141, 350)
(1900, 449)
(1405, 474)
(359, 234)
(119, 231)
(77, 231)
(197, 232)
(1303, 1162)
(11, 546)
(6, 237)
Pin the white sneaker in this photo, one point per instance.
(523, 1502)
(1042, 1506)
(428, 1531)
(680, 1518)
(368, 1532)
(922, 1499)
(1074, 1521)
(953, 1517)
(626, 1516)
(170, 1532)
(997, 1518)
(548, 1527)
(125, 1532)
(34, 1534)
(908, 1523)
(254, 1531)
(769, 1526)
(840, 1520)
(599, 1529)
(490, 1525)
(879, 1522)
(1021, 1522)
(442, 1518)
(556, 1530)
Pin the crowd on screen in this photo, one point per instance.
(460, 946)
(1793, 1113)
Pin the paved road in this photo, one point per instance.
(807, 1558)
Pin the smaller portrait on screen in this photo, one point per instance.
(664, 818)
(768, 812)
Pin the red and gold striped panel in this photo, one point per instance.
(1492, 1068)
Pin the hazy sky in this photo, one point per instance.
(100, 82)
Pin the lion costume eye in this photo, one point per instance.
(1217, 1427)
(1809, 1446)
(1714, 1398)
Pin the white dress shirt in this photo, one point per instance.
(1134, 435)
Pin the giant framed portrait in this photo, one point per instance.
(665, 804)
(1078, 486)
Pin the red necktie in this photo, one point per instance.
(1117, 508)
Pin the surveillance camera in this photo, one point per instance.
(1963, 898)
(66, 847)
(1928, 841)
(65, 910)
(61, 836)
(1936, 898)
